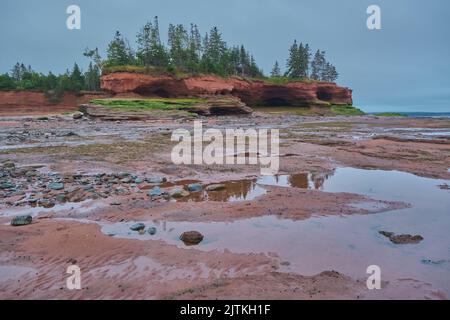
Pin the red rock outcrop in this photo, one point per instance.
(16, 102)
(252, 92)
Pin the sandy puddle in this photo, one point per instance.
(347, 244)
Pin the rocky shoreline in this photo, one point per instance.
(85, 183)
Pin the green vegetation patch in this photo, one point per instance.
(313, 111)
(390, 114)
(149, 104)
(346, 111)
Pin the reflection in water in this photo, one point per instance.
(348, 245)
(238, 190)
(249, 189)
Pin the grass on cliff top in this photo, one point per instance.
(180, 74)
(148, 104)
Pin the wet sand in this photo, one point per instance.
(308, 233)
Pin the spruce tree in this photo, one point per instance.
(76, 79)
(119, 51)
(276, 72)
(293, 63)
(317, 65)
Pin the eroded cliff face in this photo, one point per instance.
(252, 92)
(15, 102)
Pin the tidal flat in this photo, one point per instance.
(106, 197)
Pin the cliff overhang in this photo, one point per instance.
(251, 92)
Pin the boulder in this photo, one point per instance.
(402, 238)
(191, 237)
(21, 220)
(137, 227)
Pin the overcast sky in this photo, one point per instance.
(403, 67)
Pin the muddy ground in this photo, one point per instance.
(77, 176)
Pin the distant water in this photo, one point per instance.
(422, 114)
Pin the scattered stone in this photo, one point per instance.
(77, 115)
(139, 180)
(285, 263)
(156, 180)
(7, 185)
(45, 203)
(194, 187)
(191, 238)
(21, 220)
(155, 192)
(137, 226)
(61, 198)
(151, 231)
(31, 173)
(115, 203)
(9, 165)
(123, 174)
(56, 185)
(444, 186)
(126, 180)
(402, 238)
(178, 193)
(215, 187)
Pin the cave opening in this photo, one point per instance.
(276, 102)
(151, 92)
(324, 95)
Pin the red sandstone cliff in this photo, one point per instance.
(16, 102)
(252, 92)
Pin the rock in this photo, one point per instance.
(123, 175)
(191, 237)
(151, 231)
(56, 185)
(7, 185)
(444, 186)
(126, 180)
(178, 193)
(156, 180)
(9, 165)
(155, 192)
(402, 238)
(194, 187)
(115, 203)
(45, 203)
(31, 173)
(61, 198)
(77, 115)
(88, 187)
(215, 187)
(21, 220)
(137, 226)
(139, 180)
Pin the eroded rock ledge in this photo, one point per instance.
(212, 106)
(251, 92)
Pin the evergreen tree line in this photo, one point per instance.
(187, 51)
(25, 78)
(300, 66)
